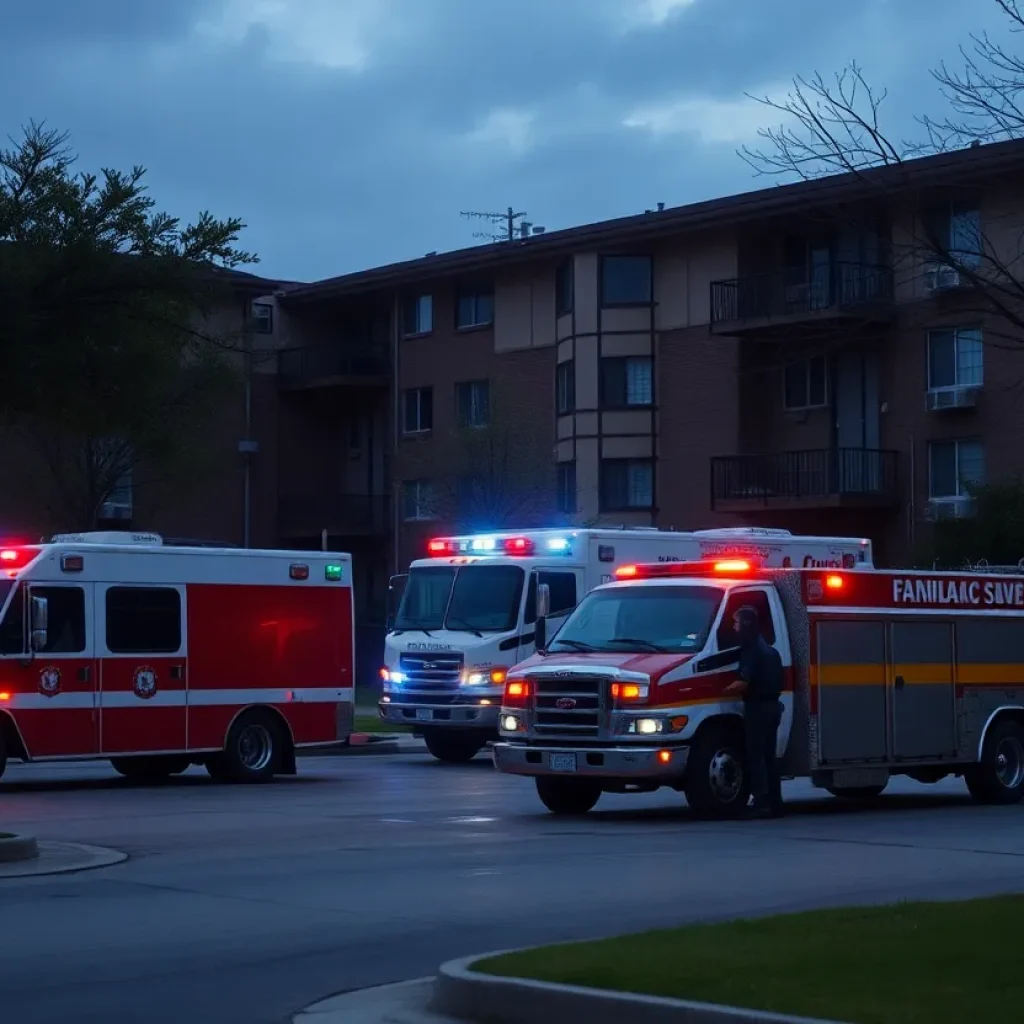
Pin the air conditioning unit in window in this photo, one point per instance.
(941, 279)
(939, 399)
(949, 508)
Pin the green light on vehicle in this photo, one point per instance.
(333, 573)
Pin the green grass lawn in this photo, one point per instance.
(913, 963)
(372, 723)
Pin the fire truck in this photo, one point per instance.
(919, 674)
(468, 609)
(118, 646)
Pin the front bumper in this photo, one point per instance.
(632, 762)
(452, 716)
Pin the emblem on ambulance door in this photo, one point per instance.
(49, 681)
(145, 682)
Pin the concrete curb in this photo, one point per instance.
(60, 859)
(463, 993)
(402, 1003)
(15, 848)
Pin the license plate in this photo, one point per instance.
(562, 762)
(424, 715)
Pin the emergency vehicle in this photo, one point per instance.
(887, 673)
(117, 646)
(468, 609)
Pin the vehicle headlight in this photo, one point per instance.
(648, 726)
(483, 677)
(391, 677)
(512, 723)
(657, 726)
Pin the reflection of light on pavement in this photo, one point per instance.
(481, 872)
(471, 820)
(397, 821)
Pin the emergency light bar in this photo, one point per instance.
(17, 557)
(485, 545)
(703, 567)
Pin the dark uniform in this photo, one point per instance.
(761, 669)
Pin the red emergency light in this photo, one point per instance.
(17, 558)
(705, 567)
(481, 546)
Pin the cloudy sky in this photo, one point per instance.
(350, 133)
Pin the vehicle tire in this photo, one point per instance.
(858, 792)
(717, 783)
(149, 768)
(254, 751)
(452, 747)
(568, 797)
(998, 778)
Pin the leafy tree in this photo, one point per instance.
(108, 368)
(837, 125)
(994, 534)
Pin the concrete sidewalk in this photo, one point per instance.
(62, 858)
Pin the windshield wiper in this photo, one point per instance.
(463, 625)
(644, 644)
(576, 645)
(411, 627)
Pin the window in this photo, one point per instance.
(65, 632)
(565, 387)
(566, 495)
(955, 358)
(957, 230)
(419, 499)
(143, 620)
(626, 280)
(627, 381)
(474, 309)
(419, 410)
(562, 586)
(474, 597)
(418, 315)
(953, 467)
(262, 316)
(756, 599)
(639, 619)
(627, 484)
(806, 383)
(473, 403)
(564, 292)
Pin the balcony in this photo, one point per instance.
(812, 479)
(341, 515)
(337, 365)
(776, 302)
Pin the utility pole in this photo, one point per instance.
(505, 221)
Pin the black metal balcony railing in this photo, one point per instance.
(828, 473)
(339, 514)
(318, 362)
(841, 286)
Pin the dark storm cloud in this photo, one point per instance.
(336, 168)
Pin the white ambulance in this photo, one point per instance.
(467, 611)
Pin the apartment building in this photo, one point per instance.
(801, 356)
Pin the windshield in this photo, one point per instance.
(478, 598)
(662, 619)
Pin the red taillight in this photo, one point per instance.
(625, 572)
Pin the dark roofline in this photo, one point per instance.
(249, 284)
(926, 171)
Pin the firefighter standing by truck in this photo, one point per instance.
(760, 683)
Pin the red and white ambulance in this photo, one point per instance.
(117, 646)
(887, 673)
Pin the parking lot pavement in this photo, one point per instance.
(241, 905)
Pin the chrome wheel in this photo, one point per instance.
(255, 747)
(1009, 762)
(725, 776)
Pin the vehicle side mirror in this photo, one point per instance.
(39, 617)
(396, 588)
(543, 600)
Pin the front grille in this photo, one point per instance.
(582, 700)
(439, 671)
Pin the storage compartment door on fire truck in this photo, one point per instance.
(850, 691)
(141, 642)
(565, 586)
(53, 690)
(923, 696)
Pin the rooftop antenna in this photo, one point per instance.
(503, 224)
